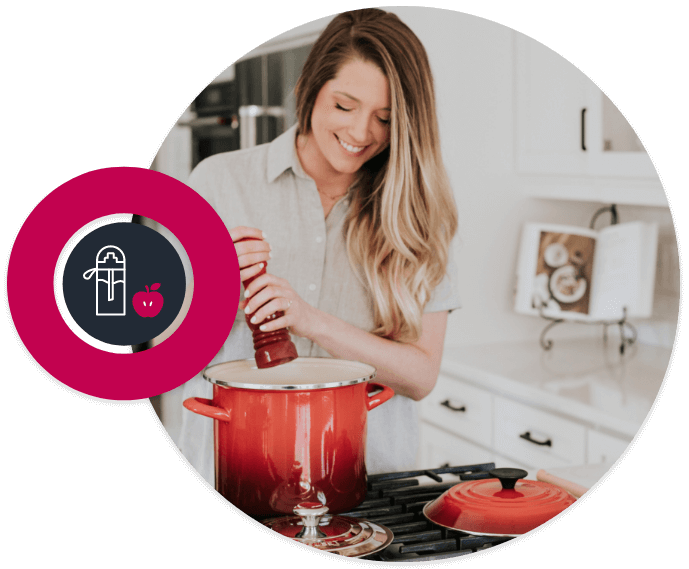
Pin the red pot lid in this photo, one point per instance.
(504, 505)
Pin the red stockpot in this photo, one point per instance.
(292, 433)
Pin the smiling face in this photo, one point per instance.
(350, 121)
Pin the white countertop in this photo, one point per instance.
(580, 378)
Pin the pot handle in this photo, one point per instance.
(377, 394)
(206, 408)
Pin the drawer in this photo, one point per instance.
(604, 448)
(553, 441)
(440, 448)
(461, 409)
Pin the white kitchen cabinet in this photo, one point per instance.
(566, 126)
(537, 438)
(441, 448)
(488, 397)
(604, 448)
(466, 412)
(462, 423)
(550, 94)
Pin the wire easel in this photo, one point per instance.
(628, 333)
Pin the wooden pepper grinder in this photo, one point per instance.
(272, 348)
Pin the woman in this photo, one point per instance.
(354, 214)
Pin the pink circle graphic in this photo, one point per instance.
(35, 312)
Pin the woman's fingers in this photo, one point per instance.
(275, 305)
(250, 271)
(253, 246)
(251, 252)
(262, 297)
(263, 281)
(242, 232)
(282, 322)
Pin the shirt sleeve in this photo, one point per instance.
(201, 180)
(445, 296)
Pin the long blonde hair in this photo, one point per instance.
(402, 215)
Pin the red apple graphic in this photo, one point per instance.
(148, 304)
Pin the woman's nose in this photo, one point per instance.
(359, 130)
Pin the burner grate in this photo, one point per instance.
(396, 500)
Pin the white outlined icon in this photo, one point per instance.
(110, 272)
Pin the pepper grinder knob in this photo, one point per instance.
(310, 514)
(272, 348)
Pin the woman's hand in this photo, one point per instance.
(269, 294)
(251, 254)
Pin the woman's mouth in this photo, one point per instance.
(351, 149)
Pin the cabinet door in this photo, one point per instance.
(550, 94)
(440, 448)
(604, 448)
(536, 438)
(613, 146)
(460, 408)
(565, 125)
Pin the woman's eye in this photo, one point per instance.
(384, 121)
(340, 107)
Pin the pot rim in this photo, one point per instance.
(357, 373)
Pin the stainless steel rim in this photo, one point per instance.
(271, 387)
(382, 537)
(379, 538)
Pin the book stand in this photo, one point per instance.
(627, 331)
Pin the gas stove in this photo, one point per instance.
(396, 500)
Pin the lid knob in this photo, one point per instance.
(508, 476)
(310, 514)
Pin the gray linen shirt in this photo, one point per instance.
(265, 187)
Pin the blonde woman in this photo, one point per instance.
(355, 217)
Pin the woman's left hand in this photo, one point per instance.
(273, 294)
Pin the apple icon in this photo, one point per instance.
(148, 304)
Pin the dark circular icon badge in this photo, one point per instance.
(34, 305)
(124, 284)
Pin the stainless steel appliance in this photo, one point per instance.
(215, 126)
(253, 108)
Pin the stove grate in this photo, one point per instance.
(396, 500)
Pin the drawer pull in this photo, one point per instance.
(449, 405)
(527, 437)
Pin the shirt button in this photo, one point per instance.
(312, 287)
(319, 239)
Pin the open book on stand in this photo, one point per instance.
(576, 273)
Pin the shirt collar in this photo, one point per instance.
(282, 154)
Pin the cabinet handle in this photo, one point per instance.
(527, 437)
(447, 404)
(583, 129)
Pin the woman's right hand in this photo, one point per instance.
(251, 254)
